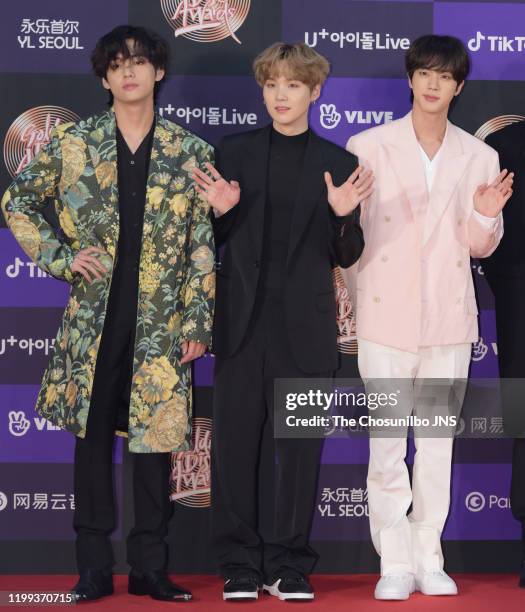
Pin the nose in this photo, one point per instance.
(281, 93)
(434, 82)
(128, 68)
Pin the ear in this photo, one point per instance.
(315, 93)
(159, 74)
(105, 84)
(409, 81)
(459, 88)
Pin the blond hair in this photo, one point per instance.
(297, 62)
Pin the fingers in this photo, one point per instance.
(500, 178)
(93, 261)
(328, 180)
(365, 179)
(355, 174)
(194, 351)
(216, 175)
(506, 183)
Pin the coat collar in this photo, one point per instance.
(102, 146)
(405, 157)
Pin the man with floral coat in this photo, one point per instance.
(136, 244)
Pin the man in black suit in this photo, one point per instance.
(284, 225)
(505, 272)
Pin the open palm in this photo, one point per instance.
(489, 200)
(217, 191)
(345, 198)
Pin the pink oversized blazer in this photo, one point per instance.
(413, 284)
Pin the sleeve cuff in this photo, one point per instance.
(488, 223)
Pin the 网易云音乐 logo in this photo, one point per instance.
(30, 132)
(206, 20)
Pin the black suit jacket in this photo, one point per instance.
(318, 241)
(509, 258)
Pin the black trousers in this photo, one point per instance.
(94, 517)
(509, 293)
(243, 400)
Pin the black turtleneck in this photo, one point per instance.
(285, 164)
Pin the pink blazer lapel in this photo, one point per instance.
(453, 162)
(405, 159)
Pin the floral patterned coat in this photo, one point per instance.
(78, 169)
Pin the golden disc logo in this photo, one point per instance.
(346, 332)
(30, 132)
(497, 123)
(206, 20)
(190, 470)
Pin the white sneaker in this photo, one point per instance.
(395, 586)
(436, 583)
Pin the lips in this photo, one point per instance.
(282, 109)
(130, 86)
(431, 98)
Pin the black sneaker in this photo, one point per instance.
(290, 585)
(241, 588)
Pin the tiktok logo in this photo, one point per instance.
(329, 118)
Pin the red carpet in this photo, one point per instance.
(336, 592)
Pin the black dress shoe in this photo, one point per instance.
(92, 584)
(157, 585)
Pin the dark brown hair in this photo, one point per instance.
(441, 53)
(146, 43)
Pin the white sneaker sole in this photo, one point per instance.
(246, 595)
(273, 590)
(395, 596)
(436, 591)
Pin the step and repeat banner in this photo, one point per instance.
(45, 80)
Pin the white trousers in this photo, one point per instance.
(410, 543)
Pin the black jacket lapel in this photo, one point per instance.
(255, 189)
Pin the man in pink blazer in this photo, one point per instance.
(437, 202)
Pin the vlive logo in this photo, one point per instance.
(19, 424)
(330, 118)
(476, 502)
(49, 34)
(30, 132)
(496, 44)
(191, 475)
(206, 20)
(3, 501)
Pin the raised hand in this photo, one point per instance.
(489, 200)
(357, 187)
(87, 264)
(218, 192)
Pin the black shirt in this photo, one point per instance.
(285, 164)
(132, 178)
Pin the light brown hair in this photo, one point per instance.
(297, 62)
